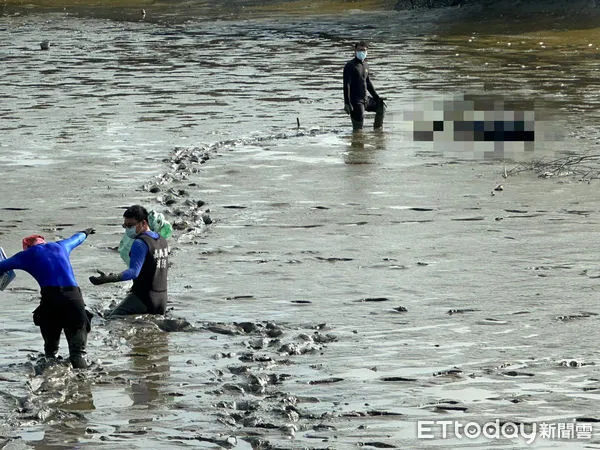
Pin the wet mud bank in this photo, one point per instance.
(502, 17)
(511, 8)
(237, 391)
(177, 12)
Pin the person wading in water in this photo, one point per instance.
(148, 267)
(356, 85)
(61, 307)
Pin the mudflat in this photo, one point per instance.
(346, 286)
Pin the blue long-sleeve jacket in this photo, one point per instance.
(137, 256)
(48, 263)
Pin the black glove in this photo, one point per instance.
(88, 231)
(104, 278)
(348, 108)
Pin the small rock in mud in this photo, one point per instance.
(448, 407)
(376, 412)
(460, 311)
(233, 388)
(583, 315)
(377, 444)
(450, 372)
(323, 338)
(206, 219)
(296, 349)
(514, 373)
(257, 344)
(334, 259)
(273, 330)
(181, 224)
(241, 297)
(248, 327)
(587, 419)
(326, 381)
(222, 328)
(572, 363)
(251, 357)
(238, 370)
(172, 325)
(374, 299)
(398, 379)
(225, 442)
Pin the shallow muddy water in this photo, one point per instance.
(348, 285)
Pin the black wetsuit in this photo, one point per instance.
(356, 85)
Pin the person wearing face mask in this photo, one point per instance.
(61, 306)
(156, 222)
(148, 267)
(357, 84)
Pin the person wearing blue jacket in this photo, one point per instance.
(148, 267)
(61, 306)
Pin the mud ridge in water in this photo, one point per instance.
(190, 216)
(247, 384)
(248, 381)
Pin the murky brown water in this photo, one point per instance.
(295, 294)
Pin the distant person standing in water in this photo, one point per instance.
(148, 265)
(356, 85)
(61, 307)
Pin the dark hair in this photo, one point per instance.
(137, 212)
(361, 44)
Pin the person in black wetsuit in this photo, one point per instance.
(61, 307)
(148, 261)
(356, 85)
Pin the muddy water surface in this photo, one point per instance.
(347, 285)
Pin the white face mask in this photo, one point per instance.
(130, 232)
(361, 54)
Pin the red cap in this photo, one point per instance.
(32, 240)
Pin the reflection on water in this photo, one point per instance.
(363, 147)
(150, 362)
(145, 368)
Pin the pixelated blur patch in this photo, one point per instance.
(486, 125)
